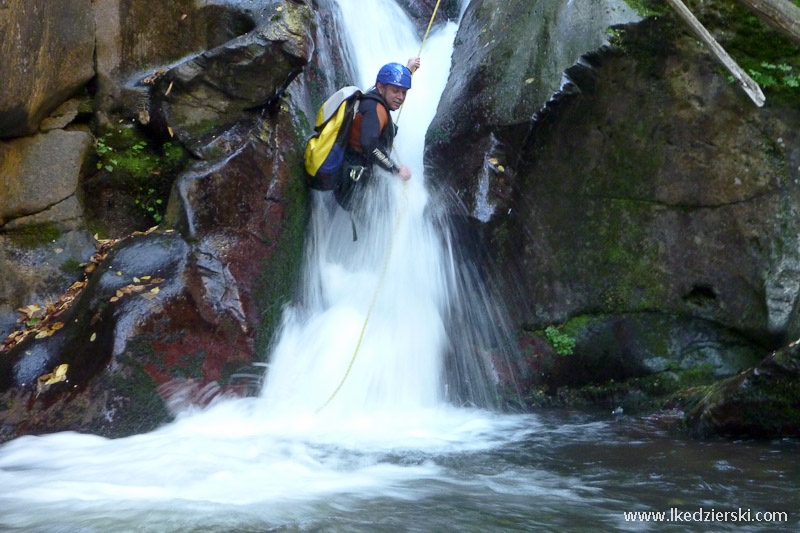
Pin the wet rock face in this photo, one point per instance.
(648, 183)
(208, 94)
(132, 345)
(421, 12)
(507, 62)
(688, 206)
(39, 172)
(646, 186)
(46, 55)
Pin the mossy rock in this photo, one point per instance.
(762, 402)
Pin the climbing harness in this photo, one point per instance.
(388, 251)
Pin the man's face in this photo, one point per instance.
(393, 94)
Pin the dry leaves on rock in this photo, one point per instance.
(58, 375)
(43, 321)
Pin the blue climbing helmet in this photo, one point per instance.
(395, 74)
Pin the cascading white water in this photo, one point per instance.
(396, 261)
(290, 444)
(389, 453)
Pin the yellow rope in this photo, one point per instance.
(388, 252)
(374, 299)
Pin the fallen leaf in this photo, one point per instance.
(500, 168)
(529, 80)
(493, 161)
(45, 381)
(136, 280)
(93, 337)
(169, 88)
(154, 290)
(61, 371)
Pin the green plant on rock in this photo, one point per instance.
(562, 342)
(151, 204)
(771, 75)
(142, 167)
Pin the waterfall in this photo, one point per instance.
(427, 304)
(428, 330)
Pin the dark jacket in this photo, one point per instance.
(372, 134)
(370, 143)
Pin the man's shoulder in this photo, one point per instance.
(372, 99)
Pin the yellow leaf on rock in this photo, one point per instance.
(154, 290)
(61, 371)
(500, 168)
(58, 375)
(529, 80)
(493, 161)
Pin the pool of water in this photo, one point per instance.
(448, 470)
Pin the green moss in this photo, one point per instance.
(575, 325)
(70, 266)
(645, 8)
(435, 134)
(132, 398)
(638, 395)
(276, 283)
(141, 166)
(33, 235)
(625, 257)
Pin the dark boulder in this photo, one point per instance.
(762, 402)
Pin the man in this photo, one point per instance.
(372, 133)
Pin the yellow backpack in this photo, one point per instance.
(325, 149)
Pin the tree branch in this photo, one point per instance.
(746, 82)
(782, 15)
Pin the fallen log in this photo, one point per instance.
(745, 81)
(782, 15)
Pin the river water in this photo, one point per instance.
(362, 429)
